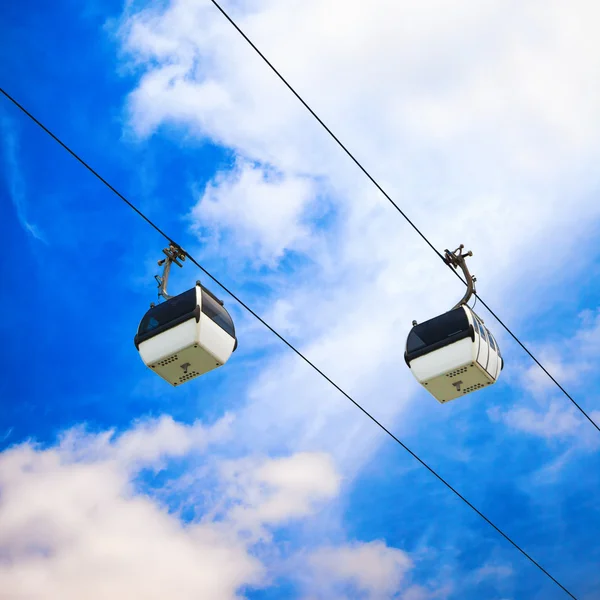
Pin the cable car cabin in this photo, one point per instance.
(186, 336)
(453, 354)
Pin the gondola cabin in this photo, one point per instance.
(453, 355)
(186, 336)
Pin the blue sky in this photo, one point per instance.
(259, 479)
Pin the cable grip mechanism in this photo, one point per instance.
(456, 260)
(174, 254)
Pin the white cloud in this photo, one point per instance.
(409, 71)
(72, 523)
(275, 491)
(572, 361)
(481, 122)
(146, 445)
(455, 108)
(558, 421)
(257, 212)
(373, 569)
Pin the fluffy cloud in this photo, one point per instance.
(480, 122)
(414, 72)
(374, 570)
(73, 524)
(269, 493)
(146, 445)
(257, 213)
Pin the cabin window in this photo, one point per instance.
(492, 343)
(496, 345)
(215, 312)
(437, 330)
(481, 330)
(169, 311)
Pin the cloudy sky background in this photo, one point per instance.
(260, 480)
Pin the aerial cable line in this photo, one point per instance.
(404, 215)
(288, 344)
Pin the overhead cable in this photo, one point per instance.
(288, 344)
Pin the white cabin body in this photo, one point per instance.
(186, 336)
(453, 355)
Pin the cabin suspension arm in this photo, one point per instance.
(174, 254)
(456, 259)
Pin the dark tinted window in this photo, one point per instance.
(496, 345)
(492, 343)
(168, 311)
(212, 309)
(438, 329)
(482, 330)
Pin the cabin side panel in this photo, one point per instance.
(215, 340)
(168, 342)
(441, 361)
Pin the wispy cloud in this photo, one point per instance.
(492, 571)
(556, 421)
(15, 180)
(573, 361)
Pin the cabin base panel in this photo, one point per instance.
(458, 382)
(184, 365)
